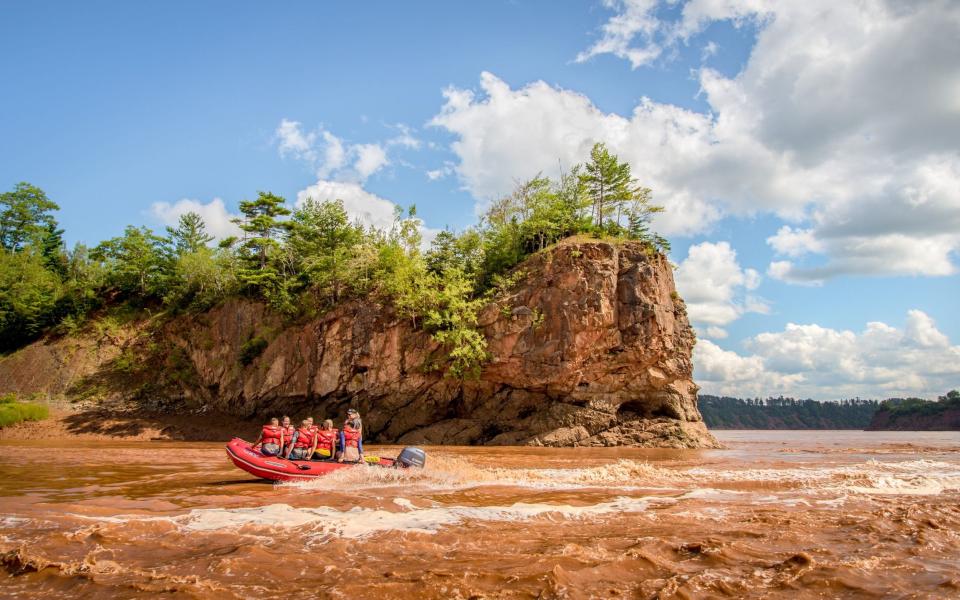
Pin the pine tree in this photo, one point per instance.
(190, 234)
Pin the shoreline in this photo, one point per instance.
(99, 424)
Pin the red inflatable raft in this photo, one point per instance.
(274, 468)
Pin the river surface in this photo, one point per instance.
(778, 514)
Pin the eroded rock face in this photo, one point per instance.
(593, 347)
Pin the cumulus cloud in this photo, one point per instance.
(823, 363)
(331, 157)
(214, 213)
(618, 35)
(716, 288)
(370, 159)
(843, 122)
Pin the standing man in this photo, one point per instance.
(351, 438)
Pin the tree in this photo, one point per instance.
(25, 217)
(611, 187)
(190, 234)
(135, 262)
(322, 241)
(28, 296)
(263, 228)
(260, 250)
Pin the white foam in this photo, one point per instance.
(324, 521)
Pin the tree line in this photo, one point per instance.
(785, 413)
(306, 259)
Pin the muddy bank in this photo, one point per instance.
(105, 424)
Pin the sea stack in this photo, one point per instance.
(591, 346)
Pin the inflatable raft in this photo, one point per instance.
(275, 468)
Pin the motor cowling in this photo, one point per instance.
(412, 457)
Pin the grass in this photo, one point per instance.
(13, 412)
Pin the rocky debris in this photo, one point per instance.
(592, 347)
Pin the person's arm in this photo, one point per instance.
(293, 438)
(313, 448)
(259, 437)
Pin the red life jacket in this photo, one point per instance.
(287, 433)
(326, 436)
(304, 438)
(272, 434)
(351, 436)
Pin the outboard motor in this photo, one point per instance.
(412, 457)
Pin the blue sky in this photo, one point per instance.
(805, 199)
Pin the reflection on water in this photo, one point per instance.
(776, 514)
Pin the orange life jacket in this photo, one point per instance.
(304, 438)
(351, 436)
(272, 434)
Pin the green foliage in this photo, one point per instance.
(262, 268)
(323, 248)
(308, 260)
(25, 219)
(190, 236)
(452, 318)
(202, 278)
(901, 407)
(29, 293)
(13, 412)
(785, 413)
(135, 262)
(251, 349)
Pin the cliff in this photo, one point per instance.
(591, 347)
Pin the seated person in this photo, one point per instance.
(270, 440)
(326, 441)
(303, 444)
(288, 430)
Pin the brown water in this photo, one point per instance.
(776, 515)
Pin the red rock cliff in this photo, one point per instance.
(592, 347)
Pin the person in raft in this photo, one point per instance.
(326, 440)
(303, 444)
(351, 438)
(288, 430)
(270, 439)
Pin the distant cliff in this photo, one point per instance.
(916, 414)
(591, 347)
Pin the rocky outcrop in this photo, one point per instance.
(592, 347)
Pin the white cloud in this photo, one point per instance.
(331, 157)
(715, 287)
(293, 141)
(843, 121)
(405, 138)
(370, 159)
(824, 363)
(367, 208)
(636, 18)
(214, 213)
(717, 333)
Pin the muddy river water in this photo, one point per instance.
(775, 515)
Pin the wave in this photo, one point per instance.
(322, 522)
(916, 477)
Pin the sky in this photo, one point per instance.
(806, 153)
